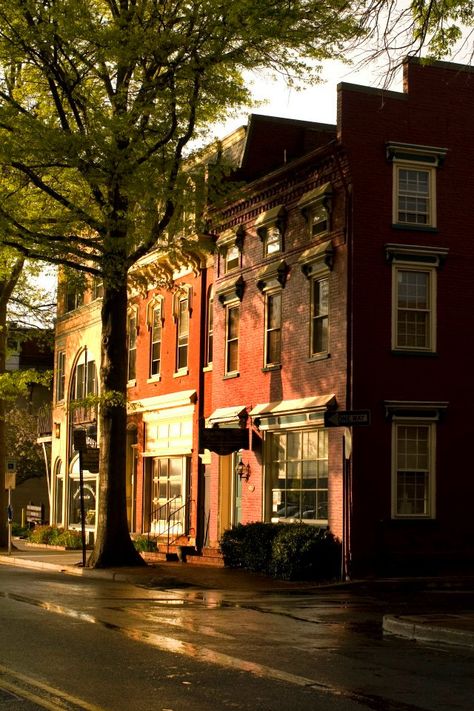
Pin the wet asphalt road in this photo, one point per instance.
(77, 643)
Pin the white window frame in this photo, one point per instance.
(270, 295)
(182, 337)
(60, 375)
(228, 340)
(318, 278)
(430, 496)
(431, 272)
(418, 166)
(210, 327)
(156, 310)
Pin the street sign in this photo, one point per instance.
(90, 459)
(346, 418)
(10, 480)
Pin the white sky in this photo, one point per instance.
(317, 103)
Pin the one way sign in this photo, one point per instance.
(346, 418)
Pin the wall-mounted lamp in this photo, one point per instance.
(242, 470)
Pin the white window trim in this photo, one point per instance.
(415, 266)
(319, 276)
(228, 306)
(132, 313)
(431, 499)
(418, 166)
(266, 362)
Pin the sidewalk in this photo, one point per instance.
(453, 629)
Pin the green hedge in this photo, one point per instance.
(286, 551)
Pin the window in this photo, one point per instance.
(232, 339)
(316, 206)
(272, 240)
(319, 315)
(273, 329)
(415, 196)
(231, 259)
(210, 326)
(132, 345)
(97, 288)
(74, 299)
(83, 383)
(155, 341)
(59, 493)
(414, 183)
(297, 472)
(60, 375)
(413, 469)
(230, 244)
(414, 300)
(182, 331)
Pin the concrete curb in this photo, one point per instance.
(424, 629)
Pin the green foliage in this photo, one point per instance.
(302, 552)
(249, 546)
(286, 551)
(144, 545)
(21, 442)
(19, 531)
(54, 536)
(16, 383)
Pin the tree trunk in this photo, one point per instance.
(113, 546)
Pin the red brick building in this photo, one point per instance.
(338, 282)
(343, 271)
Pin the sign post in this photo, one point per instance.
(10, 483)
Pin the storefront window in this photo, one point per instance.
(297, 467)
(90, 494)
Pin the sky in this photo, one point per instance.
(316, 103)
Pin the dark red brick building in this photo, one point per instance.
(339, 278)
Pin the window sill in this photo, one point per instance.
(417, 354)
(229, 376)
(179, 373)
(131, 383)
(207, 368)
(271, 368)
(416, 228)
(318, 356)
(154, 379)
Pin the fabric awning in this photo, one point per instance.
(234, 416)
(287, 407)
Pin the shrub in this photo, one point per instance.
(249, 546)
(69, 539)
(44, 534)
(18, 530)
(302, 552)
(287, 551)
(54, 536)
(143, 544)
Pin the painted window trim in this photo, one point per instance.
(273, 218)
(431, 498)
(415, 267)
(414, 157)
(314, 200)
(228, 306)
(318, 355)
(267, 364)
(230, 238)
(157, 302)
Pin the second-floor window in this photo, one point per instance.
(319, 315)
(155, 341)
(273, 329)
(414, 309)
(232, 339)
(132, 346)
(210, 326)
(182, 332)
(60, 375)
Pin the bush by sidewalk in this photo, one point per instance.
(286, 551)
(54, 536)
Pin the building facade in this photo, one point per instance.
(342, 271)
